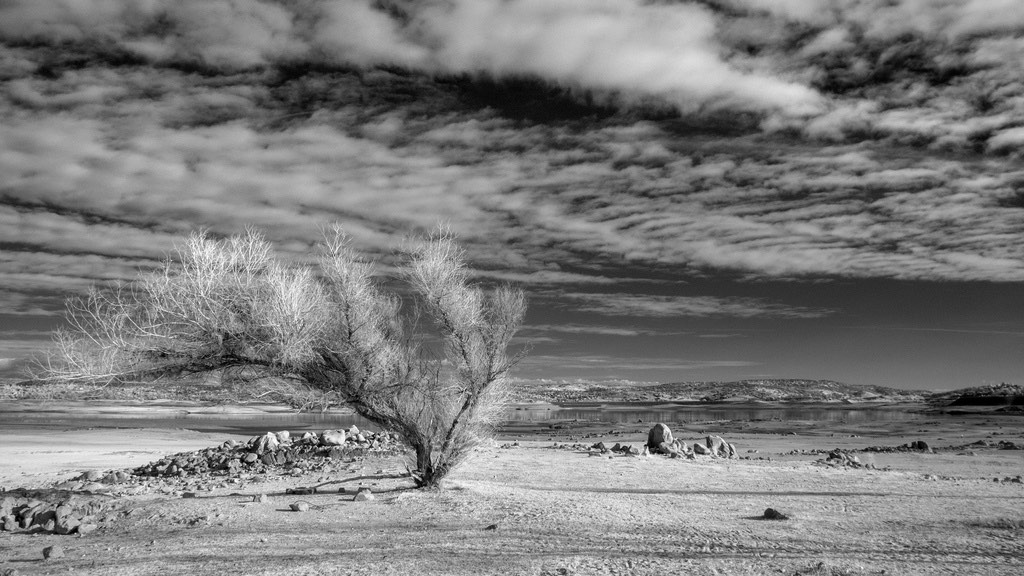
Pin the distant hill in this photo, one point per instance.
(1008, 397)
(769, 390)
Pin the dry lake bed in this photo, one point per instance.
(538, 500)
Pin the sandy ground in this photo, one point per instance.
(558, 511)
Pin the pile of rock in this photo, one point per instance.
(660, 441)
(624, 449)
(276, 449)
(50, 511)
(841, 459)
(915, 446)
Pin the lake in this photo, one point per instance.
(256, 420)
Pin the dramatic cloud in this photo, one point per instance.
(619, 146)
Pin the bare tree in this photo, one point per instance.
(230, 304)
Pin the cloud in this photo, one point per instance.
(598, 330)
(128, 124)
(625, 47)
(685, 306)
(605, 363)
(667, 50)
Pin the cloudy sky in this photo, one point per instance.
(687, 190)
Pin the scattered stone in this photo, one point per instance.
(55, 551)
(492, 527)
(188, 495)
(773, 514)
(839, 458)
(364, 494)
(261, 498)
(300, 506)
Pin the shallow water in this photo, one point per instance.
(262, 420)
(627, 413)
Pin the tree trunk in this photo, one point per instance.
(427, 475)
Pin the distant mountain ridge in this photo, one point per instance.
(787, 390)
(993, 395)
(762, 390)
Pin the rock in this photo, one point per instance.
(920, 445)
(773, 514)
(353, 430)
(91, 476)
(261, 498)
(55, 551)
(631, 450)
(699, 448)
(719, 447)
(658, 434)
(733, 453)
(188, 494)
(267, 443)
(250, 457)
(492, 527)
(284, 437)
(600, 446)
(333, 438)
(86, 529)
(300, 506)
(363, 495)
(665, 448)
(66, 525)
(646, 452)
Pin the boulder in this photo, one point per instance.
(333, 438)
(53, 552)
(699, 448)
(718, 446)
(659, 434)
(267, 443)
(773, 514)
